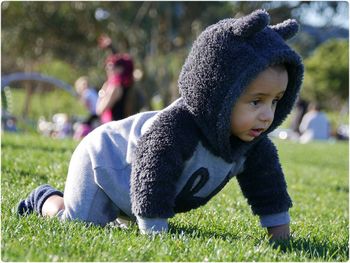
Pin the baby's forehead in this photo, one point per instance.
(281, 68)
(269, 81)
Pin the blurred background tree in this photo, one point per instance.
(327, 78)
(60, 38)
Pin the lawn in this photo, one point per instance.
(223, 230)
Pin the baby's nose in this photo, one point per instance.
(267, 114)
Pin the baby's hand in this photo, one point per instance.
(152, 226)
(104, 41)
(281, 232)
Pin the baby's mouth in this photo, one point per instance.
(256, 132)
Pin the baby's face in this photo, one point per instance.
(254, 110)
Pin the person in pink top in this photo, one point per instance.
(113, 96)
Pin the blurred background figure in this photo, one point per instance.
(87, 94)
(114, 101)
(314, 125)
(342, 132)
(60, 127)
(298, 114)
(89, 97)
(8, 121)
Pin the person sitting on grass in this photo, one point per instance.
(238, 84)
(314, 125)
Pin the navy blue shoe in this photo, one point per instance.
(36, 199)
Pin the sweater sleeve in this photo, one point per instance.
(159, 160)
(262, 180)
(152, 225)
(275, 219)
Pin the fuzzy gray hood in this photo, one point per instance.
(223, 61)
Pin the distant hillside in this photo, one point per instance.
(310, 37)
(325, 33)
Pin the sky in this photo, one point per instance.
(341, 18)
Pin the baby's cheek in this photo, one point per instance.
(246, 121)
(242, 123)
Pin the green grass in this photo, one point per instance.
(223, 230)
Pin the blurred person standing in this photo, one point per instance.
(314, 125)
(298, 114)
(87, 94)
(114, 102)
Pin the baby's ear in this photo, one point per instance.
(286, 29)
(251, 24)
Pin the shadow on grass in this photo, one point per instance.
(314, 249)
(344, 189)
(324, 250)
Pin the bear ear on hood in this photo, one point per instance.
(251, 24)
(286, 29)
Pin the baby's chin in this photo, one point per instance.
(247, 138)
(240, 139)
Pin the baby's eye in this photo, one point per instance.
(255, 102)
(275, 101)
